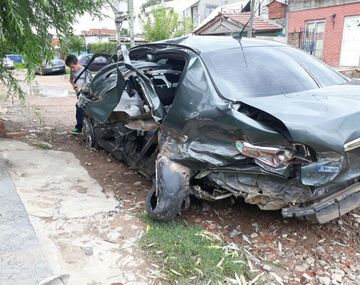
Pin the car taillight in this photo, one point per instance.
(271, 156)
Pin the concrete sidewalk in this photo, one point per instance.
(56, 219)
(21, 257)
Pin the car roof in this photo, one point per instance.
(85, 54)
(203, 44)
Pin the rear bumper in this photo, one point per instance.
(53, 70)
(328, 208)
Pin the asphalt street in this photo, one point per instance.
(21, 257)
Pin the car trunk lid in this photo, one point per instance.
(321, 117)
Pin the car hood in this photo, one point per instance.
(324, 118)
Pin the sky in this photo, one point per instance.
(86, 22)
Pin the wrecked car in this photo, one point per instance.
(220, 117)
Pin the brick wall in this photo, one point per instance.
(277, 10)
(333, 29)
(300, 5)
(294, 39)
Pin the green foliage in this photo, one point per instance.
(107, 48)
(149, 3)
(124, 32)
(25, 26)
(164, 24)
(190, 255)
(72, 43)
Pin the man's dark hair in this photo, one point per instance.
(71, 59)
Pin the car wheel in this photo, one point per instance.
(151, 202)
(89, 135)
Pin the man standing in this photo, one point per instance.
(82, 84)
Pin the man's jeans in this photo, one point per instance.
(79, 118)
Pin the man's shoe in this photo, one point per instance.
(75, 131)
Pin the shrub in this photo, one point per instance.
(107, 48)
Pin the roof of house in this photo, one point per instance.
(259, 24)
(99, 32)
(240, 19)
(284, 2)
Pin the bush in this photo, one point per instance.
(107, 48)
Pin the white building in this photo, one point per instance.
(99, 35)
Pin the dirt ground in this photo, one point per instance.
(287, 251)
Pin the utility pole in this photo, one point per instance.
(252, 15)
(131, 21)
(121, 16)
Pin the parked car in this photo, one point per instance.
(218, 117)
(55, 66)
(96, 65)
(9, 64)
(16, 58)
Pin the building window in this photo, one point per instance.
(313, 41)
(209, 9)
(195, 15)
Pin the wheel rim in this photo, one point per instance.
(88, 133)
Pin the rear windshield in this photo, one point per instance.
(57, 62)
(266, 71)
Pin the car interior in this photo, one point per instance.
(166, 81)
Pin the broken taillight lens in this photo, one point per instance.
(271, 156)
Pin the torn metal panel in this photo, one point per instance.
(107, 88)
(268, 192)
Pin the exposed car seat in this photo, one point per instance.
(166, 95)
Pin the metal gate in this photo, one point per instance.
(313, 38)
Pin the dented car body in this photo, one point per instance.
(216, 117)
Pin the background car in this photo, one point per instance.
(9, 64)
(55, 66)
(96, 65)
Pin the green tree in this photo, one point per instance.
(107, 48)
(25, 26)
(149, 3)
(165, 23)
(124, 32)
(72, 43)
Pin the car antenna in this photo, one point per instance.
(239, 35)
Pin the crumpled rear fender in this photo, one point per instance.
(171, 190)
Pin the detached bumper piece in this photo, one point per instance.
(328, 208)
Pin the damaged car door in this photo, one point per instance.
(123, 111)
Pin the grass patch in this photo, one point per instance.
(190, 255)
(19, 65)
